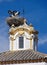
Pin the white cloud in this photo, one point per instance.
(3, 35)
(42, 39)
(4, 43)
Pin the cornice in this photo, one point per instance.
(13, 32)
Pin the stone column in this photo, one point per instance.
(32, 36)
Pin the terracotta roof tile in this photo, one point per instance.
(21, 55)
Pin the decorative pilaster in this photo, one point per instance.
(32, 36)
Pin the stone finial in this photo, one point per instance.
(31, 25)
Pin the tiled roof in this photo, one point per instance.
(21, 55)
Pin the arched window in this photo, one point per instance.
(21, 42)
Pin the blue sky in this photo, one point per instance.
(35, 13)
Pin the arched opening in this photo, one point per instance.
(21, 42)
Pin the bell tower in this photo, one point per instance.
(22, 36)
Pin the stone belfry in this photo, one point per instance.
(22, 36)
